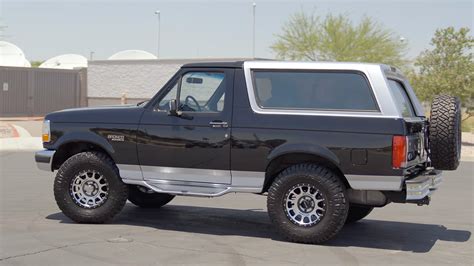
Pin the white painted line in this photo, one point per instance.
(23, 133)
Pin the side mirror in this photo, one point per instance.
(175, 112)
(173, 105)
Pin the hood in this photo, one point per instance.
(121, 114)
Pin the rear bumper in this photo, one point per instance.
(44, 159)
(423, 185)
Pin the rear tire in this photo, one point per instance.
(445, 132)
(88, 188)
(357, 213)
(148, 200)
(310, 191)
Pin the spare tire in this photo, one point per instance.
(445, 132)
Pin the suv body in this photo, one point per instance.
(216, 128)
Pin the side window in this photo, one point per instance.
(317, 90)
(202, 92)
(401, 98)
(199, 92)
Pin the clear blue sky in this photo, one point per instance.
(202, 29)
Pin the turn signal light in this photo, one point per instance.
(399, 151)
(46, 135)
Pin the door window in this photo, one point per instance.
(198, 92)
(202, 92)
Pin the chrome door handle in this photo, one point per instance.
(216, 124)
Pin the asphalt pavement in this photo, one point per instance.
(229, 230)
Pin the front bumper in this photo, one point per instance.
(423, 185)
(44, 159)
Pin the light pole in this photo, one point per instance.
(157, 12)
(253, 30)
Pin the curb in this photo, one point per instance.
(32, 118)
(8, 130)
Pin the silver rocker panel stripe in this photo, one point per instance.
(191, 181)
(375, 182)
(186, 174)
(248, 179)
(130, 171)
(244, 179)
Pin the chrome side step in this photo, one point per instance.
(185, 188)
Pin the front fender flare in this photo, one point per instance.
(89, 137)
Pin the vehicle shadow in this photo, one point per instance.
(368, 233)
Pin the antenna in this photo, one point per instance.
(3, 28)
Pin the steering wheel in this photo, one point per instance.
(186, 102)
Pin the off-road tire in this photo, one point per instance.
(445, 132)
(357, 213)
(148, 200)
(325, 181)
(117, 190)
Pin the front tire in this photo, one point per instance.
(141, 197)
(307, 203)
(88, 188)
(357, 213)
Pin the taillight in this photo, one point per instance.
(399, 151)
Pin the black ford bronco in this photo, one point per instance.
(326, 142)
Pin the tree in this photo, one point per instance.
(36, 63)
(447, 68)
(336, 38)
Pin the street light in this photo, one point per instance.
(253, 32)
(157, 12)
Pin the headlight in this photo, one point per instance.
(46, 136)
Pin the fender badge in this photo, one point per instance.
(116, 137)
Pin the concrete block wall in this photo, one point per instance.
(138, 79)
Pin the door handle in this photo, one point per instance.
(215, 124)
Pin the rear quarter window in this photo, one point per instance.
(401, 98)
(345, 91)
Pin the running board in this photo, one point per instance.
(185, 188)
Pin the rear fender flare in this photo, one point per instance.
(306, 148)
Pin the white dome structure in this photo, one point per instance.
(132, 55)
(65, 61)
(11, 55)
(26, 63)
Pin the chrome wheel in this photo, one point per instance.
(304, 205)
(89, 189)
